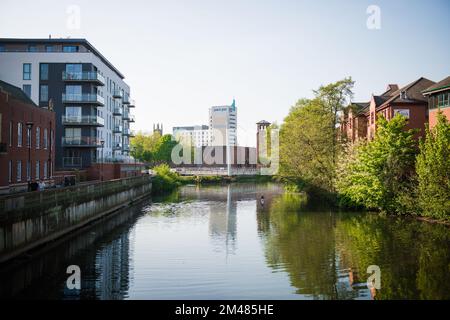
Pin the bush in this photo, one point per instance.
(433, 171)
(164, 180)
(376, 174)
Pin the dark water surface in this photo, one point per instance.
(222, 242)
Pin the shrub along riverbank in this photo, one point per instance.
(393, 173)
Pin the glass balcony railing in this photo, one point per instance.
(117, 129)
(131, 118)
(126, 148)
(132, 104)
(81, 142)
(117, 94)
(117, 146)
(83, 120)
(87, 76)
(126, 115)
(118, 111)
(125, 99)
(128, 132)
(91, 98)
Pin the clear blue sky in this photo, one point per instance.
(181, 57)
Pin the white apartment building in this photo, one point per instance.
(223, 125)
(197, 136)
(88, 94)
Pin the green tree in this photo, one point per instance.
(377, 174)
(433, 170)
(306, 142)
(153, 149)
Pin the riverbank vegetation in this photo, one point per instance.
(393, 173)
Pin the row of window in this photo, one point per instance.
(48, 48)
(39, 135)
(18, 170)
(441, 100)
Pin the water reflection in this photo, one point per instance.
(239, 241)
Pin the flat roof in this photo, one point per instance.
(64, 41)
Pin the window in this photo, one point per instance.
(27, 90)
(74, 68)
(38, 137)
(28, 171)
(45, 139)
(443, 99)
(32, 48)
(19, 134)
(73, 114)
(44, 93)
(27, 71)
(45, 170)
(49, 48)
(28, 137)
(73, 91)
(19, 171)
(44, 71)
(70, 49)
(10, 171)
(10, 138)
(38, 167)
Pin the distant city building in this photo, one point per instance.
(27, 151)
(223, 125)
(438, 99)
(90, 98)
(158, 128)
(197, 136)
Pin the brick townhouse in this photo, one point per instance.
(22, 122)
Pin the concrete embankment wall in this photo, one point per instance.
(33, 219)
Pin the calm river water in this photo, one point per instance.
(223, 242)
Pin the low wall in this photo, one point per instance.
(32, 219)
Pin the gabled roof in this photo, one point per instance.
(441, 85)
(359, 107)
(16, 92)
(391, 88)
(412, 93)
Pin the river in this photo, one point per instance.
(238, 241)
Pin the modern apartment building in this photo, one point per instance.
(88, 94)
(197, 136)
(438, 100)
(223, 125)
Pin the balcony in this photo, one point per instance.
(125, 99)
(128, 132)
(88, 98)
(117, 111)
(131, 118)
(72, 162)
(117, 129)
(85, 76)
(126, 148)
(117, 147)
(89, 142)
(83, 121)
(117, 94)
(132, 104)
(126, 115)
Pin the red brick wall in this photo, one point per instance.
(15, 111)
(433, 116)
(113, 171)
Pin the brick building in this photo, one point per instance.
(438, 96)
(408, 101)
(353, 122)
(22, 122)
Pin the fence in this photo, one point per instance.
(55, 197)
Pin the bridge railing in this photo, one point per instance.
(58, 196)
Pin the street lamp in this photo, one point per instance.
(29, 127)
(101, 160)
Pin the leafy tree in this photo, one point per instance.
(376, 174)
(153, 149)
(433, 170)
(306, 142)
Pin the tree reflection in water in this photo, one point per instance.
(326, 254)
